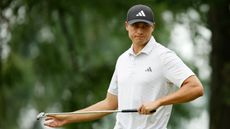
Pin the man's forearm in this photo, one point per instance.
(190, 90)
(89, 117)
(109, 103)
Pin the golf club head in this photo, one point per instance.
(41, 115)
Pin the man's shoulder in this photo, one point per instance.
(124, 54)
(161, 50)
(165, 54)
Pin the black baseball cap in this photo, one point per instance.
(140, 13)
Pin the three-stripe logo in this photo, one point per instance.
(141, 14)
(148, 69)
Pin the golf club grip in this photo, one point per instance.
(134, 110)
(129, 110)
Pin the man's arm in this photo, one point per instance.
(109, 103)
(190, 90)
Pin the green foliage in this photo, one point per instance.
(62, 54)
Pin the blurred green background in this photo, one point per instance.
(59, 55)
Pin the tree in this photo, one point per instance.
(219, 23)
(64, 48)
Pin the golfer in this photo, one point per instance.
(144, 79)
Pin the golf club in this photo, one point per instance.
(43, 114)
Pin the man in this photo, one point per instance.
(143, 79)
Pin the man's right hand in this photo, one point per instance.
(55, 121)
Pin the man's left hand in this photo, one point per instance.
(146, 108)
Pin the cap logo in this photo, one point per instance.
(140, 14)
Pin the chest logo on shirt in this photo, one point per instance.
(148, 69)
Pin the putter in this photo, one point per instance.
(43, 114)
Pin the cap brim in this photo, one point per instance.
(140, 20)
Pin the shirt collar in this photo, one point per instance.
(147, 49)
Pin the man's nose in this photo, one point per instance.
(139, 30)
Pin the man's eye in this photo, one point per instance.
(146, 25)
(135, 25)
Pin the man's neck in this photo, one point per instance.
(138, 48)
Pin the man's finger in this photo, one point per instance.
(49, 118)
(143, 110)
(48, 123)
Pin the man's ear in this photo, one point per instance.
(153, 27)
(126, 25)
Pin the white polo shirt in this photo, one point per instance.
(145, 77)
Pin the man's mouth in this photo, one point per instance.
(139, 36)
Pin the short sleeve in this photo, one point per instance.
(113, 88)
(174, 68)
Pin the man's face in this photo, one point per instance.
(140, 32)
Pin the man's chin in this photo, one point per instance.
(140, 42)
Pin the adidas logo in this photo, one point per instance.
(148, 69)
(140, 14)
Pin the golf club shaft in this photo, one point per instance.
(99, 111)
(42, 115)
(92, 112)
(83, 112)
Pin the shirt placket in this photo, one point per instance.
(133, 60)
(132, 78)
